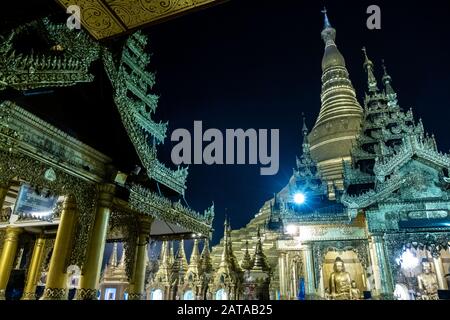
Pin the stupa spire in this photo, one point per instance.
(327, 23)
(369, 67)
(259, 259)
(195, 256)
(247, 262)
(113, 258)
(390, 93)
(123, 258)
(181, 256)
(206, 257)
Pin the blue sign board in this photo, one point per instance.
(31, 203)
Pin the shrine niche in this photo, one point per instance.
(421, 263)
(341, 270)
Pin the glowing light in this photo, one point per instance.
(291, 229)
(408, 260)
(299, 198)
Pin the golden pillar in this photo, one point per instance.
(56, 285)
(137, 284)
(7, 257)
(382, 273)
(282, 271)
(310, 287)
(94, 256)
(29, 293)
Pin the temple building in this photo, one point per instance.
(62, 200)
(366, 212)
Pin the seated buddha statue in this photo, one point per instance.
(428, 286)
(340, 281)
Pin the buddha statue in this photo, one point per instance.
(428, 286)
(340, 281)
(355, 293)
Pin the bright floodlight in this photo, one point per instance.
(408, 260)
(299, 198)
(291, 229)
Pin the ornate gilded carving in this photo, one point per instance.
(136, 296)
(86, 294)
(104, 19)
(132, 82)
(149, 203)
(17, 165)
(47, 69)
(55, 294)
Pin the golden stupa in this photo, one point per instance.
(340, 115)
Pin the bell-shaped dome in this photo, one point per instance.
(332, 58)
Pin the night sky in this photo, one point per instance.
(257, 64)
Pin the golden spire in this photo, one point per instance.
(165, 255)
(259, 259)
(181, 256)
(206, 258)
(340, 114)
(195, 261)
(195, 256)
(123, 258)
(113, 258)
(247, 262)
(171, 254)
(225, 253)
(332, 56)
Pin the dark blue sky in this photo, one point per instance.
(253, 64)
(257, 64)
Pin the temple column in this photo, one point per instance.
(56, 285)
(94, 256)
(310, 287)
(137, 284)
(382, 274)
(440, 274)
(29, 293)
(282, 271)
(7, 257)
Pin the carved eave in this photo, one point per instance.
(106, 19)
(24, 71)
(355, 203)
(41, 141)
(411, 147)
(149, 203)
